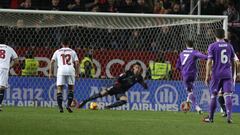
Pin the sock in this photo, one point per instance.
(229, 106)
(70, 98)
(94, 96)
(59, 100)
(222, 103)
(192, 98)
(118, 103)
(1, 96)
(213, 105)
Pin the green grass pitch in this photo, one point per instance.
(48, 121)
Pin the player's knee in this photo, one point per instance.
(2, 88)
(71, 87)
(59, 88)
(123, 98)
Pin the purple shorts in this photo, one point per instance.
(188, 82)
(217, 84)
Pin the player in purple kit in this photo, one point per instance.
(187, 65)
(221, 60)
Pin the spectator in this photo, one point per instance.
(112, 6)
(158, 8)
(150, 3)
(185, 7)
(30, 65)
(127, 6)
(231, 12)
(207, 8)
(141, 7)
(55, 5)
(159, 69)
(219, 7)
(90, 4)
(76, 5)
(95, 9)
(27, 4)
(167, 4)
(87, 68)
(103, 5)
(176, 9)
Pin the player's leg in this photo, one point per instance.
(71, 82)
(215, 85)
(60, 97)
(3, 85)
(227, 89)
(121, 100)
(191, 98)
(102, 93)
(70, 97)
(60, 84)
(2, 91)
(221, 101)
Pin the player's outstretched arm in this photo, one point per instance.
(122, 76)
(201, 56)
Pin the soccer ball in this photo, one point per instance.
(185, 106)
(93, 106)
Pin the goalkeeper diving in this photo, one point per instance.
(122, 84)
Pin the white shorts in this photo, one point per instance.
(65, 79)
(4, 78)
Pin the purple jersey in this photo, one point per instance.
(222, 54)
(187, 61)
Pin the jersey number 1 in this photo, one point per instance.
(2, 54)
(66, 59)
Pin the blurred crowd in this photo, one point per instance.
(209, 7)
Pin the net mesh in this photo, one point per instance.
(115, 41)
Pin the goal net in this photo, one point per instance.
(115, 42)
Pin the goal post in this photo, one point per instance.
(116, 41)
(100, 20)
